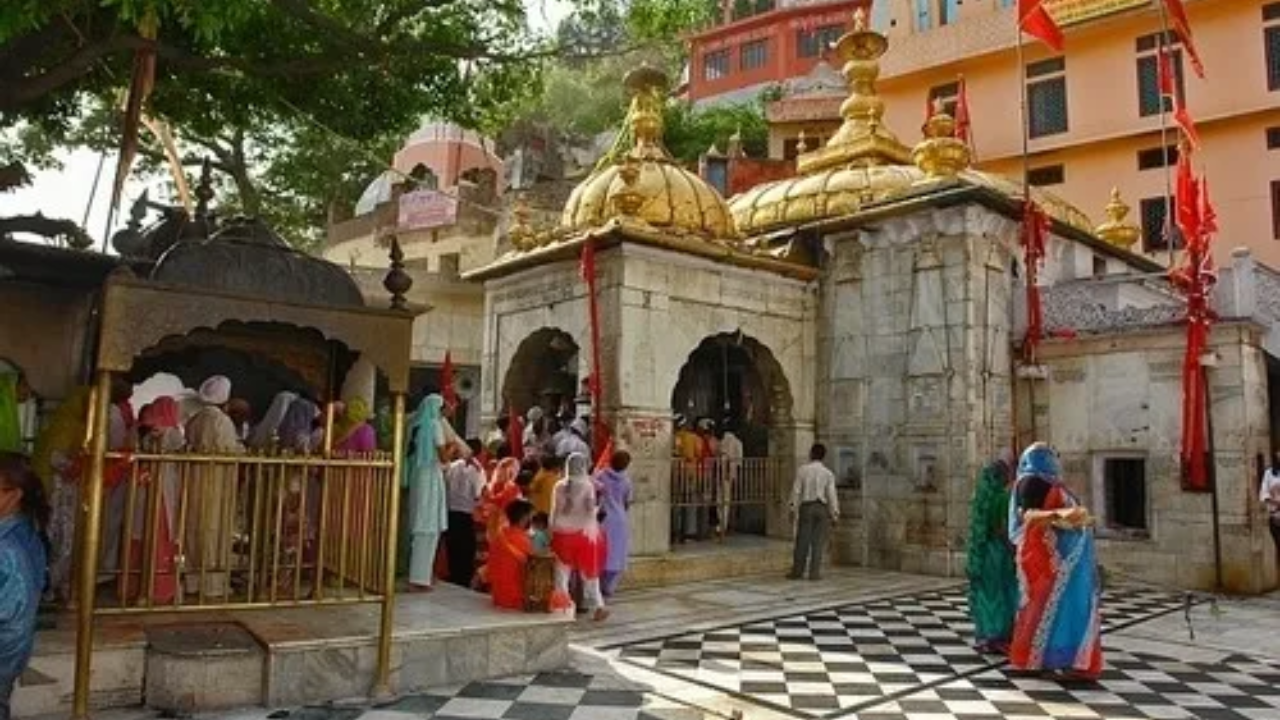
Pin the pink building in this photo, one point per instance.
(1095, 109)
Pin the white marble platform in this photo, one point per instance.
(737, 556)
(311, 655)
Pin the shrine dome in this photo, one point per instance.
(865, 163)
(643, 181)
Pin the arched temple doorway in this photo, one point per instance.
(543, 373)
(730, 383)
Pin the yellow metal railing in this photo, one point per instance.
(218, 532)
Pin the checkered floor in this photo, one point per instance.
(547, 696)
(1133, 687)
(835, 661)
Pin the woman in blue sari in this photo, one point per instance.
(24, 514)
(424, 477)
(1058, 627)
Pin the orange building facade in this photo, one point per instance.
(1094, 109)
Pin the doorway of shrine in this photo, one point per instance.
(543, 373)
(732, 452)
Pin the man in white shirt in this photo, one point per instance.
(1270, 497)
(464, 480)
(814, 498)
(731, 453)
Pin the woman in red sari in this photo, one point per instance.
(162, 423)
(508, 554)
(500, 492)
(1058, 627)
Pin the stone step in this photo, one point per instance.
(47, 686)
(737, 556)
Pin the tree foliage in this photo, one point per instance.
(690, 132)
(290, 98)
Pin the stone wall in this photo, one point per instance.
(913, 380)
(1120, 396)
(44, 332)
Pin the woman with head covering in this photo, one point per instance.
(576, 538)
(1057, 627)
(24, 516)
(161, 427)
(614, 487)
(264, 434)
(993, 579)
(498, 493)
(58, 462)
(532, 436)
(424, 477)
(353, 433)
(297, 429)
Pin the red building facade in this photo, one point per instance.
(768, 48)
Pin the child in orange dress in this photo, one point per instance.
(507, 557)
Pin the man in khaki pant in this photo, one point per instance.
(814, 498)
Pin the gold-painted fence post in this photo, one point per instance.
(382, 678)
(91, 521)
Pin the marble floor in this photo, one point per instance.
(863, 645)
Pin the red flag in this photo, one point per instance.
(1183, 120)
(1187, 196)
(962, 112)
(1035, 230)
(447, 390)
(1165, 73)
(1208, 214)
(515, 433)
(1035, 20)
(1182, 28)
(605, 457)
(587, 265)
(141, 83)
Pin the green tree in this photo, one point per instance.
(690, 132)
(256, 83)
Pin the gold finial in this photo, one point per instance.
(862, 139)
(940, 154)
(648, 88)
(1116, 231)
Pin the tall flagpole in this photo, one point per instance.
(1029, 273)
(1026, 119)
(1171, 234)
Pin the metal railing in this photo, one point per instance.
(209, 531)
(750, 481)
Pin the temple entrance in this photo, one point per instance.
(543, 373)
(731, 390)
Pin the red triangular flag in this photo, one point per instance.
(447, 391)
(1208, 214)
(962, 112)
(1182, 28)
(605, 457)
(1187, 196)
(1035, 20)
(1165, 76)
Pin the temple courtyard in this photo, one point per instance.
(864, 644)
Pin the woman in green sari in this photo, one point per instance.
(993, 577)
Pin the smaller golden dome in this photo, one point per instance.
(940, 154)
(642, 183)
(1116, 231)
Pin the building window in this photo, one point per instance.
(1047, 97)
(1047, 175)
(947, 95)
(1153, 158)
(1099, 266)
(1124, 495)
(1271, 39)
(1275, 209)
(816, 42)
(924, 15)
(1273, 138)
(754, 54)
(948, 11)
(715, 65)
(1152, 211)
(1150, 101)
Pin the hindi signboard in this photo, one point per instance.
(1071, 12)
(426, 209)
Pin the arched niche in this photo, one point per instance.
(543, 371)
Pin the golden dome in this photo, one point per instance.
(643, 183)
(865, 163)
(1117, 230)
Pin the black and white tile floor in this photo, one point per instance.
(905, 658)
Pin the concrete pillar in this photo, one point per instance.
(646, 434)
